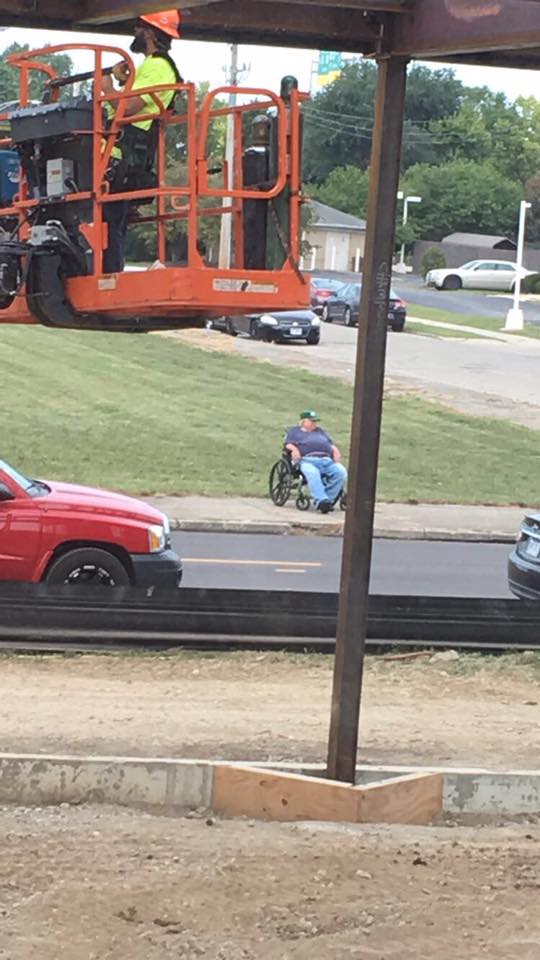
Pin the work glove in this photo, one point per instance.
(121, 72)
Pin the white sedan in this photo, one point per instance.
(477, 275)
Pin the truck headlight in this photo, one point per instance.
(156, 538)
(268, 320)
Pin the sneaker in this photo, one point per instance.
(324, 506)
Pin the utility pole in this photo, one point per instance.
(225, 233)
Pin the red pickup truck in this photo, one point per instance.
(60, 533)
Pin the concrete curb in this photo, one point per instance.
(293, 528)
(174, 785)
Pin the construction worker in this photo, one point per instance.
(132, 160)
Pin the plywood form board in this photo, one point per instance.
(267, 795)
(416, 798)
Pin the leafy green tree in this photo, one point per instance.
(432, 94)
(462, 195)
(339, 120)
(419, 145)
(346, 188)
(9, 76)
(462, 136)
(532, 223)
(338, 123)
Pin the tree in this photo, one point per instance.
(432, 94)
(532, 223)
(339, 120)
(346, 189)
(462, 136)
(338, 123)
(465, 196)
(9, 76)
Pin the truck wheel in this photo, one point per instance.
(88, 566)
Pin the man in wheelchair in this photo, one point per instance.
(317, 456)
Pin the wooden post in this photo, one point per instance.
(367, 409)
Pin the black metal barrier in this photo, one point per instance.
(254, 618)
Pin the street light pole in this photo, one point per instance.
(401, 268)
(514, 317)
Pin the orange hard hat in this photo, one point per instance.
(168, 21)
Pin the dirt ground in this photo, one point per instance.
(471, 711)
(94, 883)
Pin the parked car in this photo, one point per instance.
(345, 306)
(278, 326)
(524, 561)
(60, 533)
(323, 290)
(477, 275)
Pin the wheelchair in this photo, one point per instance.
(287, 480)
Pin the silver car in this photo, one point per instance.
(477, 275)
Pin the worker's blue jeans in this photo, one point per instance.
(324, 477)
(116, 218)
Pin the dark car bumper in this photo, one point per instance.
(284, 333)
(396, 318)
(523, 577)
(163, 571)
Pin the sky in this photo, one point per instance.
(265, 66)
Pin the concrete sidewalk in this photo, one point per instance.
(392, 520)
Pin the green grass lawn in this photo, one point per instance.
(145, 414)
(468, 320)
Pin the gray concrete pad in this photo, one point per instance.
(177, 785)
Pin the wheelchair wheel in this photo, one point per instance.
(280, 483)
(343, 501)
(303, 501)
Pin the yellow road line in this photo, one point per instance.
(252, 563)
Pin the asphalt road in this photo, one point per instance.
(473, 302)
(479, 377)
(407, 567)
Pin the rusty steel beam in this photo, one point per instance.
(327, 25)
(440, 28)
(366, 422)
(287, 24)
(103, 11)
(34, 13)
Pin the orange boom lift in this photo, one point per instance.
(53, 232)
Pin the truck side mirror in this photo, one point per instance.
(5, 492)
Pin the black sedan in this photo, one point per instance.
(524, 561)
(278, 326)
(345, 306)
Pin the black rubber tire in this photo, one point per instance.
(347, 318)
(343, 501)
(254, 330)
(313, 339)
(303, 501)
(229, 328)
(325, 314)
(452, 282)
(397, 327)
(279, 484)
(89, 567)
